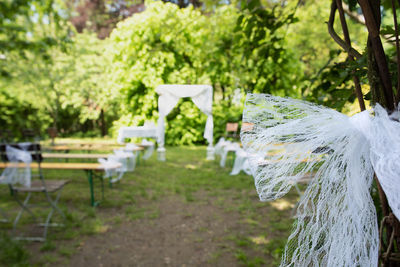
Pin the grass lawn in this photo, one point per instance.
(186, 211)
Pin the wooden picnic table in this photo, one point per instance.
(89, 168)
(88, 144)
(83, 148)
(73, 156)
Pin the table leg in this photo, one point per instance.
(66, 152)
(90, 179)
(102, 187)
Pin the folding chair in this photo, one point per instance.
(24, 154)
(232, 130)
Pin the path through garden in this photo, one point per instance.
(183, 212)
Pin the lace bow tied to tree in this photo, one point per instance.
(336, 223)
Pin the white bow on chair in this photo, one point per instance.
(336, 219)
(14, 175)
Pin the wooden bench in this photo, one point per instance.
(89, 168)
(73, 156)
(83, 148)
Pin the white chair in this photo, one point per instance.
(229, 147)
(241, 163)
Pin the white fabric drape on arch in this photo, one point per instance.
(169, 95)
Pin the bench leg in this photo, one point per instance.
(90, 176)
(90, 179)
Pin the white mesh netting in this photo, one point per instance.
(336, 223)
(241, 163)
(110, 171)
(14, 174)
(149, 148)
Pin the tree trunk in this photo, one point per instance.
(102, 123)
(382, 93)
(372, 15)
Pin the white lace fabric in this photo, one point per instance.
(241, 163)
(125, 157)
(13, 174)
(149, 148)
(223, 147)
(110, 172)
(136, 132)
(336, 220)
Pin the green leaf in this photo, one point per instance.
(352, 5)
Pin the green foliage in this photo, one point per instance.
(19, 22)
(68, 88)
(185, 124)
(269, 63)
(16, 115)
(328, 78)
(227, 48)
(82, 85)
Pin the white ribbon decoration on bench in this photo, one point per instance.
(14, 175)
(149, 146)
(336, 218)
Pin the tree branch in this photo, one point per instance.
(353, 15)
(360, 19)
(373, 25)
(346, 34)
(350, 50)
(397, 51)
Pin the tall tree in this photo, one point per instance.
(18, 30)
(101, 16)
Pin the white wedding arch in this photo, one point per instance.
(169, 95)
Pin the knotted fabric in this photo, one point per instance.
(336, 221)
(149, 146)
(13, 174)
(241, 163)
(110, 170)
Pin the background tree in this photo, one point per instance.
(68, 84)
(237, 46)
(168, 45)
(267, 64)
(101, 16)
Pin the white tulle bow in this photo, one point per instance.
(336, 221)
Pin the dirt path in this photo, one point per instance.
(183, 234)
